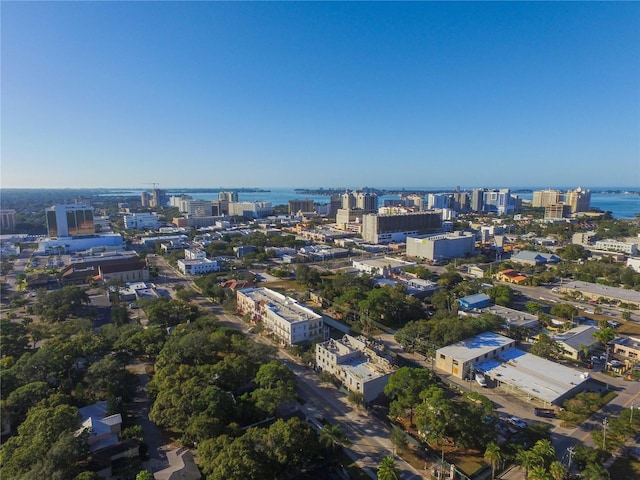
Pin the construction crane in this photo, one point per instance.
(155, 184)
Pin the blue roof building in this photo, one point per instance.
(479, 300)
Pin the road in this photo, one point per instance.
(369, 436)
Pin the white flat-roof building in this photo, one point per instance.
(614, 245)
(533, 376)
(514, 318)
(200, 266)
(141, 221)
(382, 266)
(358, 366)
(497, 358)
(289, 321)
(594, 291)
(443, 246)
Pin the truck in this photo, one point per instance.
(544, 412)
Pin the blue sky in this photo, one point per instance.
(201, 94)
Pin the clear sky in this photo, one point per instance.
(118, 94)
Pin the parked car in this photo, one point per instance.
(518, 422)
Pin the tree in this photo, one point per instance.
(144, 475)
(493, 456)
(388, 470)
(528, 459)
(398, 438)
(539, 473)
(544, 449)
(545, 346)
(332, 436)
(355, 398)
(595, 471)
(605, 335)
(404, 388)
(557, 470)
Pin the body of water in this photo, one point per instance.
(621, 205)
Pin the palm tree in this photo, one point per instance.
(331, 436)
(387, 470)
(557, 470)
(539, 473)
(595, 471)
(527, 460)
(493, 455)
(544, 449)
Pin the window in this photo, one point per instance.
(442, 356)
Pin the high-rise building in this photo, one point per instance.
(145, 199)
(477, 199)
(198, 208)
(228, 196)
(499, 202)
(557, 211)
(438, 200)
(70, 221)
(544, 198)
(334, 204)
(578, 199)
(158, 198)
(395, 228)
(7, 219)
(296, 206)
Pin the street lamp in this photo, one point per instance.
(605, 424)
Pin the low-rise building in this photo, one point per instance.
(141, 221)
(357, 363)
(596, 291)
(511, 276)
(615, 246)
(460, 359)
(576, 340)
(381, 266)
(477, 300)
(283, 316)
(442, 246)
(528, 257)
(200, 266)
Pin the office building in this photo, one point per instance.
(69, 221)
(198, 208)
(395, 228)
(250, 209)
(141, 221)
(442, 246)
(438, 200)
(158, 198)
(499, 202)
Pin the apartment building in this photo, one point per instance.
(282, 316)
(359, 365)
(545, 198)
(616, 246)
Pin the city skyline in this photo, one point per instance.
(191, 95)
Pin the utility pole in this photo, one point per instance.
(631, 418)
(605, 424)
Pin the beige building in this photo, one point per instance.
(544, 198)
(357, 363)
(461, 358)
(283, 316)
(578, 199)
